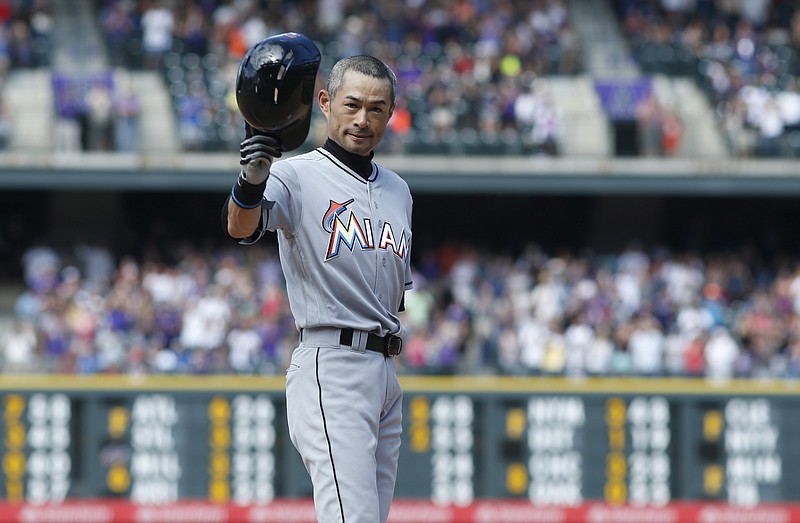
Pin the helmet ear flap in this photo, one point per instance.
(275, 87)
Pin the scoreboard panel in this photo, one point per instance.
(542, 441)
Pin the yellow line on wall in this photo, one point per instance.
(438, 384)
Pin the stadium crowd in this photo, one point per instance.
(464, 67)
(746, 53)
(468, 69)
(640, 312)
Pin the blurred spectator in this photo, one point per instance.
(671, 132)
(649, 128)
(659, 129)
(537, 119)
(21, 44)
(254, 26)
(126, 118)
(96, 263)
(205, 321)
(119, 24)
(99, 118)
(244, 342)
(228, 39)
(19, 348)
(69, 113)
(41, 265)
(193, 30)
(646, 346)
(579, 338)
(555, 356)
(158, 26)
(720, 353)
(770, 127)
(600, 352)
(41, 23)
(530, 341)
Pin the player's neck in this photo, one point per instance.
(362, 165)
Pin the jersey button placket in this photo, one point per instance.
(374, 214)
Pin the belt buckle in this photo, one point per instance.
(394, 345)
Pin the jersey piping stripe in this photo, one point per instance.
(346, 169)
(328, 438)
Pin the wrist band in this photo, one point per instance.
(247, 195)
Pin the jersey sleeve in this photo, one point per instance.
(285, 194)
(261, 229)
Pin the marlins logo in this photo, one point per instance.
(345, 228)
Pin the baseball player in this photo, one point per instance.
(343, 224)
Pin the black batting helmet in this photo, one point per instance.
(275, 87)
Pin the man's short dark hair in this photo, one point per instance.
(364, 64)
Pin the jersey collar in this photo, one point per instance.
(346, 169)
(361, 165)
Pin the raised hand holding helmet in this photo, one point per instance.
(275, 86)
(275, 93)
(257, 152)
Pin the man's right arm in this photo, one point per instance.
(244, 206)
(242, 223)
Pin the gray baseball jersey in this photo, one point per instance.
(344, 245)
(344, 241)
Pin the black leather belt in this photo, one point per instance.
(389, 345)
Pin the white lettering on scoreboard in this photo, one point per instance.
(555, 465)
(253, 464)
(155, 468)
(452, 442)
(49, 462)
(751, 448)
(648, 463)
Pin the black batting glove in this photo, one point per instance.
(256, 154)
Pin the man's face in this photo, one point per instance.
(357, 117)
